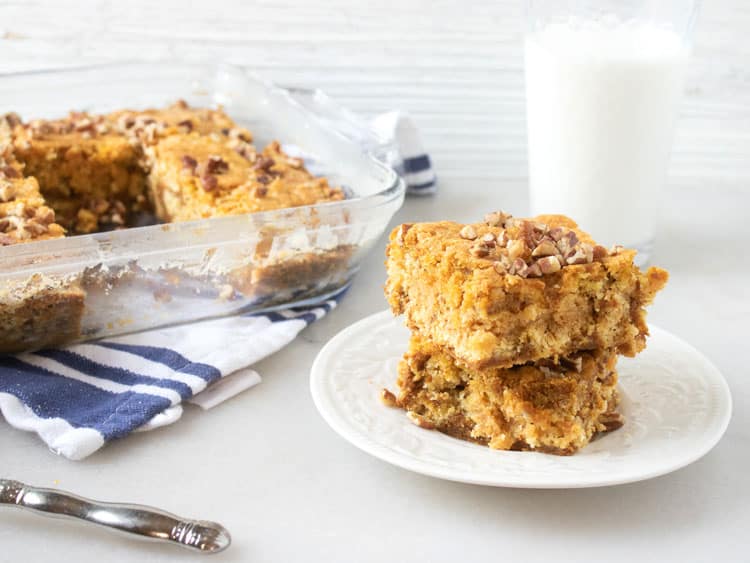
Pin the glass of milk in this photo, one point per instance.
(603, 82)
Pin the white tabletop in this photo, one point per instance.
(267, 466)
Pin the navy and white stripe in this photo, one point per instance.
(80, 397)
(408, 157)
(392, 137)
(418, 174)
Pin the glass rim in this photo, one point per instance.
(686, 29)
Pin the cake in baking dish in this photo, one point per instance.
(88, 173)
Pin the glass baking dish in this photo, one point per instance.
(92, 286)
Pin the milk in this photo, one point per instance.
(601, 105)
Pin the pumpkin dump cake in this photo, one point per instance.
(517, 324)
(89, 173)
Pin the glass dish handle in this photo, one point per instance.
(345, 122)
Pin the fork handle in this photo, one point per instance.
(132, 519)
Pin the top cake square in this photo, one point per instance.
(509, 291)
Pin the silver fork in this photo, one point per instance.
(131, 519)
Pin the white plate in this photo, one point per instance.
(675, 402)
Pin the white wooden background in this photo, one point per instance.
(456, 65)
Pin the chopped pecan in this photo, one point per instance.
(549, 264)
(261, 191)
(125, 122)
(38, 127)
(584, 254)
(518, 267)
(502, 239)
(600, 253)
(22, 233)
(497, 218)
(516, 249)
(99, 206)
(567, 242)
(556, 233)
(7, 191)
(11, 119)
(264, 179)
(242, 148)
(209, 182)
(468, 233)
(489, 239)
(513, 222)
(186, 124)
(109, 214)
(264, 163)
(239, 133)
(84, 124)
(45, 215)
(534, 271)
(150, 131)
(216, 165)
(401, 233)
(9, 172)
(545, 247)
(117, 219)
(4, 225)
(480, 250)
(189, 163)
(36, 228)
(500, 268)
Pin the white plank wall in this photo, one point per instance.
(456, 65)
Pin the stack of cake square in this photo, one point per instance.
(516, 329)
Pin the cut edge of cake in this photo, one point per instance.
(556, 406)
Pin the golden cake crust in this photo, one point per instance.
(151, 125)
(195, 176)
(509, 291)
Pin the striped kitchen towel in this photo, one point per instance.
(392, 137)
(80, 397)
(408, 157)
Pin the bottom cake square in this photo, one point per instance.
(554, 406)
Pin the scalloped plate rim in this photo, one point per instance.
(371, 445)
